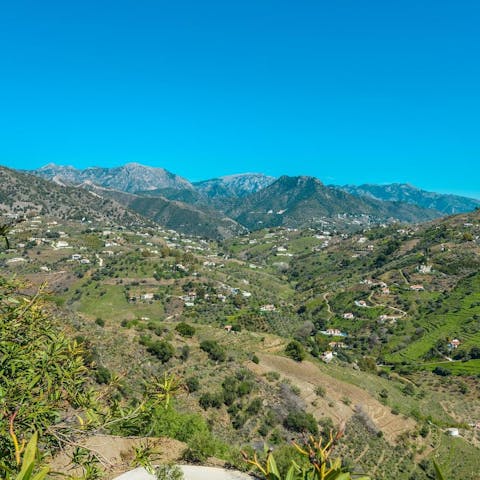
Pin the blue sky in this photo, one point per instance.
(348, 91)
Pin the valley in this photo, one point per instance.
(372, 328)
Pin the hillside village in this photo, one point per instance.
(377, 328)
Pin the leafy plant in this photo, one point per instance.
(320, 466)
(26, 466)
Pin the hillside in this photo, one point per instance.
(199, 220)
(252, 200)
(399, 192)
(302, 201)
(24, 194)
(127, 293)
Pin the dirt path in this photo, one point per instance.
(403, 276)
(365, 450)
(115, 454)
(379, 462)
(329, 309)
(340, 399)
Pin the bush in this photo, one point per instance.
(442, 371)
(102, 375)
(200, 447)
(255, 406)
(185, 353)
(193, 384)
(214, 350)
(295, 350)
(43, 372)
(211, 400)
(300, 421)
(185, 330)
(162, 349)
(100, 322)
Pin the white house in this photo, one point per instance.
(327, 356)
(267, 308)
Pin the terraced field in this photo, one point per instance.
(341, 398)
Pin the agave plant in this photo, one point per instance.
(320, 467)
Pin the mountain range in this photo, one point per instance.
(226, 206)
(404, 192)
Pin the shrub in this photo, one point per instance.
(255, 406)
(300, 421)
(103, 375)
(442, 371)
(193, 384)
(214, 350)
(185, 330)
(320, 391)
(100, 322)
(162, 349)
(185, 353)
(295, 350)
(42, 371)
(200, 447)
(211, 400)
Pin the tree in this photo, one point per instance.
(5, 229)
(185, 330)
(295, 350)
(299, 421)
(162, 349)
(214, 350)
(33, 392)
(475, 352)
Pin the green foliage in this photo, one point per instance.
(295, 350)
(214, 350)
(162, 349)
(185, 329)
(103, 375)
(200, 446)
(27, 466)
(184, 353)
(168, 472)
(193, 384)
(100, 322)
(443, 372)
(320, 391)
(315, 464)
(300, 421)
(210, 400)
(40, 370)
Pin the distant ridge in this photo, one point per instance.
(300, 201)
(238, 185)
(404, 192)
(132, 177)
(225, 206)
